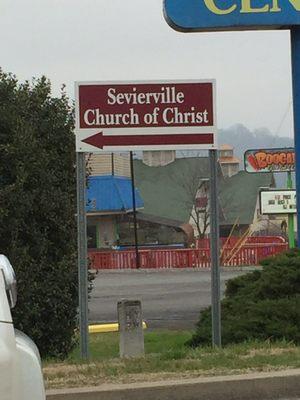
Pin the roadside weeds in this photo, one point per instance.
(167, 358)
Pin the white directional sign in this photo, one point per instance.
(145, 116)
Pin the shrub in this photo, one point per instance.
(262, 305)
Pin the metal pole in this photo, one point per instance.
(137, 256)
(215, 250)
(82, 255)
(295, 52)
(291, 230)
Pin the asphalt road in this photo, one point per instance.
(170, 299)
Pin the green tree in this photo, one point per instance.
(37, 209)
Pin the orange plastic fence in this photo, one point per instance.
(249, 254)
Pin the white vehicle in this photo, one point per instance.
(20, 364)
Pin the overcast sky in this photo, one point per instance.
(70, 40)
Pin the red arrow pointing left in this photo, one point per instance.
(100, 141)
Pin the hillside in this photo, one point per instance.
(243, 139)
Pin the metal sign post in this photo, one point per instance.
(215, 250)
(82, 255)
(291, 228)
(136, 244)
(295, 52)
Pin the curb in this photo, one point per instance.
(256, 386)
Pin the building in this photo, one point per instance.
(109, 164)
(158, 158)
(110, 211)
(169, 191)
(229, 163)
(172, 200)
(180, 190)
(109, 206)
(238, 198)
(109, 198)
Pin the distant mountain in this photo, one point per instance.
(242, 139)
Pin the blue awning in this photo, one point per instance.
(111, 193)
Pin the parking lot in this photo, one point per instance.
(170, 298)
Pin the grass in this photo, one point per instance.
(105, 346)
(166, 357)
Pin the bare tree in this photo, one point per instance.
(195, 187)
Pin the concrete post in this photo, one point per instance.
(131, 328)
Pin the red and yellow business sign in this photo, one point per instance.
(270, 160)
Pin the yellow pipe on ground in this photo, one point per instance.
(105, 328)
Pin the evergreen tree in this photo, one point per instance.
(37, 209)
(261, 305)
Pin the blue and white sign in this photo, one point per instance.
(214, 15)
